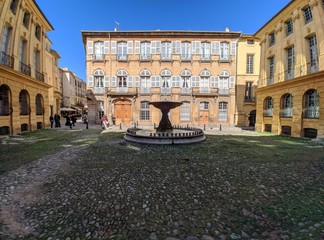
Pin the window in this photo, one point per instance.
(24, 103)
(26, 19)
(145, 76)
(223, 83)
(289, 27)
(13, 6)
(308, 14)
(98, 51)
(313, 56)
(224, 51)
(166, 51)
(37, 73)
(4, 101)
(249, 92)
(185, 51)
(268, 107)
(222, 111)
(98, 78)
(122, 51)
(287, 106)
(272, 39)
(166, 81)
(39, 105)
(204, 106)
(23, 67)
(205, 51)
(204, 81)
(5, 39)
(290, 63)
(185, 81)
(249, 63)
(271, 70)
(38, 32)
(145, 111)
(185, 112)
(250, 42)
(145, 51)
(122, 78)
(311, 106)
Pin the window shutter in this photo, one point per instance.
(90, 47)
(232, 81)
(153, 47)
(233, 48)
(158, 47)
(106, 47)
(196, 45)
(113, 81)
(90, 81)
(106, 81)
(113, 47)
(217, 82)
(137, 81)
(173, 81)
(157, 81)
(137, 47)
(129, 47)
(176, 47)
(153, 79)
(212, 82)
(215, 48)
(129, 81)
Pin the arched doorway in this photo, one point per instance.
(123, 112)
(252, 117)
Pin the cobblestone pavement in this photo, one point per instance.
(143, 192)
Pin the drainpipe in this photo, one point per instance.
(236, 62)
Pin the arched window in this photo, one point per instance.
(122, 78)
(311, 104)
(185, 81)
(287, 105)
(122, 51)
(145, 78)
(268, 107)
(222, 111)
(166, 81)
(4, 100)
(39, 105)
(98, 50)
(24, 108)
(145, 110)
(204, 81)
(185, 112)
(98, 75)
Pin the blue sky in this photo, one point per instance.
(69, 17)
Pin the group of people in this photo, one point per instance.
(56, 119)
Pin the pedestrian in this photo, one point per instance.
(51, 118)
(104, 122)
(57, 120)
(73, 119)
(68, 121)
(113, 120)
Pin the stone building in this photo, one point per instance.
(28, 83)
(291, 85)
(128, 69)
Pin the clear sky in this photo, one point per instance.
(69, 17)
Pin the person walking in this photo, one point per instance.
(51, 120)
(104, 122)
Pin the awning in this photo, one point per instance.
(68, 109)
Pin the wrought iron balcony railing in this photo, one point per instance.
(25, 69)
(223, 91)
(286, 112)
(311, 112)
(312, 67)
(6, 60)
(39, 76)
(268, 112)
(289, 75)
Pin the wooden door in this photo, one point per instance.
(203, 117)
(123, 112)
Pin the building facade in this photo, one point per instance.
(248, 67)
(73, 91)
(291, 85)
(128, 69)
(24, 85)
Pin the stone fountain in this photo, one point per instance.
(165, 133)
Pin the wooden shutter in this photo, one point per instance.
(217, 82)
(106, 47)
(232, 82)
(129, 47)
(173, 81)
(157, 81)
(153, 79)
(137, 47)
(106, 81)
(196, 46)
(113, 47)
(129, 81)
(176, 47)
(215, 48)
(178, 78)
(158, 47)
(153, 47)
(233, 48)
(137, 81)
(90, 81)
(113, 81)
(90, 47)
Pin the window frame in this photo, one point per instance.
(249, 63)
(272, 39)
(308, 15)
(289, 26)
(145, 113)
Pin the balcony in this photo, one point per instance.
(99, 90)
(25, 69)
(186, 58)
(223, 91)
(185, 90)
(289, 75)
(6, 60)
(165, 58)
(122, 89)
(286, 112)
(204, 91)
(39, 76)
(311, 112)
(205, 58)
(98, 57)
(249, 99)
(122, 58)
(145, 57)
(268, 112)
(145, 90)
(165, 90)
(312, 67)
